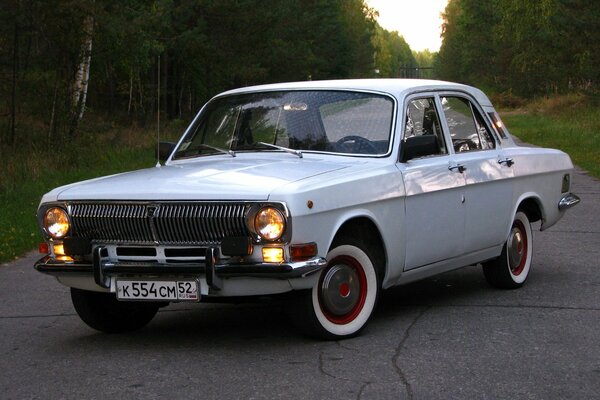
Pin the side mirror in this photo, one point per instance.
(164, 150)
(418, 146)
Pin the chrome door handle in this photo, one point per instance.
(461, 168)
(508, 161)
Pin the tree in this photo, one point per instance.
(82, 76)
(48, 71)
(393, 56)
(529, 48)
(468, 50)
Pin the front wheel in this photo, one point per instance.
(342, 301)
(510, 270)
(103, 312)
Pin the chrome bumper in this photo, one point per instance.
(213, 269)
(567, 201)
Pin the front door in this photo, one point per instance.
(434, 185)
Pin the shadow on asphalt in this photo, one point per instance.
(267, 323)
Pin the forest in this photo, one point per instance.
(121, 59)
(524, 48)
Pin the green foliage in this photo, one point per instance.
(468, 48)
(201, 47)
(526, 48)
(393, 57)
(568, 123)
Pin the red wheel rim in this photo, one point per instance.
(342, 290)
(517, 248)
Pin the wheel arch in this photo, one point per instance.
(367, 231)
(532, 206)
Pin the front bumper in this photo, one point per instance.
(213, 270)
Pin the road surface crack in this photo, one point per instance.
(396, 356)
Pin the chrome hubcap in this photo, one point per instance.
(340, 289)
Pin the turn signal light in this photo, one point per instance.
(43, 248)
(303, 252)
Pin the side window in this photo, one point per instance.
(467, 127)
(422, 120)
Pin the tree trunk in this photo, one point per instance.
(141, 95)
(52, 130)
(15, 72)
(80, 84)
(130, 92)
(165, 83)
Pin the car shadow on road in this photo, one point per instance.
(461, 286)
(266, 322)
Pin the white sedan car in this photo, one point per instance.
(327, 191)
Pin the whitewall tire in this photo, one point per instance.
(342, 301)
(511, 269)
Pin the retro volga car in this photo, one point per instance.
(327, 191)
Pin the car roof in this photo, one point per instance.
(396, 87)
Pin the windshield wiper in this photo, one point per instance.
(286, 149)
(207, 146)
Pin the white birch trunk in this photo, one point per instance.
(80, 84)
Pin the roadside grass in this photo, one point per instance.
(569, 123)
(27, 171)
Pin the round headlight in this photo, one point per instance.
(56, 222)
(269, 223)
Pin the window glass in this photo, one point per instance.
(467, 127)
(328, 121)
(422, 119)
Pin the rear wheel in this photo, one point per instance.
(511, 269)
(103, 312)
(343, 300)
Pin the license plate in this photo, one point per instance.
(158, 290)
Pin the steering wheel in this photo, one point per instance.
(356, 144)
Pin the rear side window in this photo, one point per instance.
(467, 127)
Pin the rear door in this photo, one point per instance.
(488, 173)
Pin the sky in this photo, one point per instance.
(418, 21)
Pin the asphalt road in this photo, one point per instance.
(451, 337)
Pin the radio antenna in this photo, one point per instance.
(158, 117)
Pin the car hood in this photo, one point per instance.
(213, 178)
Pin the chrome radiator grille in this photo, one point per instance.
(158, 223)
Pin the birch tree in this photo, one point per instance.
(82, 75)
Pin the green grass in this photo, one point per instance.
(571, 126)
(27, 171)
(18, 227)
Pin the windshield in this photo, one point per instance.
(324, 121)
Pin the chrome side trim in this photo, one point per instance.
(567, 201)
